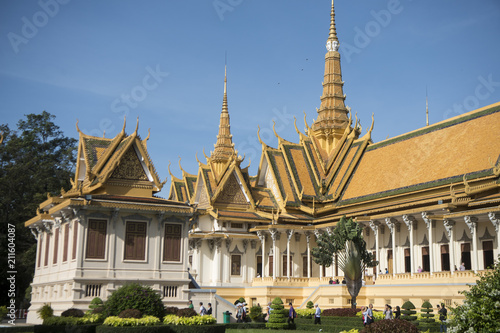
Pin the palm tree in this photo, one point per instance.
(352, 264)
(347, 243)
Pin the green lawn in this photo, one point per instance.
(263, 330)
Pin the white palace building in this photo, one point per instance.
(428, 201)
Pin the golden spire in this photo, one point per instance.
(224, 148)
(332, 114)
(333, 32)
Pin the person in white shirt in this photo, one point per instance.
(203, 311)
(317, 315)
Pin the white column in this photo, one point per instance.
(217, 260)
(448, 225)
(428, 223)
(274, 235)
(244, 261)
(197, 250)
(471, 222)
(318, 234)
(391, 224)
(262, 238)
(410, 221)
(289, 234)
(374, 226)
(308, 239)
(495, 219)
(226, 269)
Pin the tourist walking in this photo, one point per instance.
(397, 313)
(443, 315)
(190, 304)
(203, 311)
(317, 314)
(291, 314)
(209, 310)
(369, 315)
(363, 311)
(388, 312)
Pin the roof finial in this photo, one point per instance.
(332, 44)
(426, 107)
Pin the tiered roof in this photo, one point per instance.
(333, 170)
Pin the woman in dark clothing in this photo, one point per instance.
(397, 313)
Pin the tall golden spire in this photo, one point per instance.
(224, 147)
(332, 114)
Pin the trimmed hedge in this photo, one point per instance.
(216, 328)
(65, 328)
(246, 326)
(327, 328)
(17, 329)
(391, 325)
(340, 312)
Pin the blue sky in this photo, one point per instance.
(163, 61)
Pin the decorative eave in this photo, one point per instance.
(241, 180)
(101, 162)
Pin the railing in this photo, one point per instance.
(385, 279)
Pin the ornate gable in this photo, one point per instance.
(130, 168)
(232, 193)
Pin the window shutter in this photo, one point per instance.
(47, 244)
(75, 239)
(56, 245)
(40, 240)
(65, 245)
(96, 239)
(172, 242)
(135, 241)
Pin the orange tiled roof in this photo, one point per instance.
(442, 152)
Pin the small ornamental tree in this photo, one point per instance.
(256, 313)
(310, 305)
(278, 317)
(135, 296)
(95, 303)
(408, 312)
(480, 311)
(427, 320)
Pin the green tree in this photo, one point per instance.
(480, 311)
(35, 159)
(347, 244)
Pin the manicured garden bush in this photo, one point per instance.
(278, 317)
(408, 312)
(77, 313)
(130, 313)
(340, 312)
(256, 314)
(187, 312)
(65, 328)
(88, 318)
(144, 321)
(189, 321)
(171, 310)
(135, 296)
(217, 328)
(310, 305)
(305, 313)
(45, 311)
(392, 326)
(96, 302)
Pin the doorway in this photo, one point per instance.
(259, 266)
(465, 258)
(426, 262)
(407, 261)
(389, 261)
(488, 259)
(445, 258)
